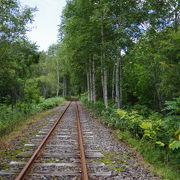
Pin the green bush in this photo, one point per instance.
(146, 125)
(50, 103)
(9, 119)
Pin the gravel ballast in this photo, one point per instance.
(106, 156)
(121, 160)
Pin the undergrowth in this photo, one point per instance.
(154, 135)
(12, 118)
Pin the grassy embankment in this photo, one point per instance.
(20, 117)
(155, 136)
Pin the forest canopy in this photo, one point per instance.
(124, 51)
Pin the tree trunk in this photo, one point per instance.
(103, 68)
(90, 80)
(58, 77)
(113, 83)
(93, 81)
(44, 92)
(104, 86)
(66, 92)
(157, 95)
(105, 89)
(176, 18)
(88, 86)
(102, 79)
(117, 98)
(120, 81)
(64, 86)
(57, 89)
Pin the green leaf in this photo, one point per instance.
(174, 145)
(121, 112)
(160, 143)
(146, 125)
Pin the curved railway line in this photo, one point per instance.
(67, 149)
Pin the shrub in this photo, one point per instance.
(9, 119)
(160, 131)
(49, 103)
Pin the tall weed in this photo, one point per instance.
(10, 119)
(161, 132)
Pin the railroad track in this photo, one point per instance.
(64, 149)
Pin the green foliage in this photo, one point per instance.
(155, 155)
(50, 74)
(9, 119)
(161, 144)
(146, 36)
(152, 68)
(148, 127)
(172, 121)
(173, 106)
(175, 145)
(17, 54)
(13, 20)
(50, 103)
(31, 92)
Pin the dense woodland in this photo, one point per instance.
(126, 52)
(121, 54)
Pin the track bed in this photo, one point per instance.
(61, 157)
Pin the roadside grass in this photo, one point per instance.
(12, 123)
(161, 160)
(17, 131)
(151, 156)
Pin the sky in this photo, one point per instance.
(46, 20)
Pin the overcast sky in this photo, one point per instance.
(47, 19)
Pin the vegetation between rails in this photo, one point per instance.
(155, 136)
(10, 119)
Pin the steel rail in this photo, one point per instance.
(37, 152)
(81, 146)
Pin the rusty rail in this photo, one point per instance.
(36, 154)
(81, 146)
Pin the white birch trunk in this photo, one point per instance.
(90, 80)
(120, 81)
(57, 90)
(113, 82)
(102, 59)
(94, 81)
(117, 98)
(44, 92)
(64, 86)
(105, 89)
(58, 77)
(88, 86)
(102, 79)
(104, 70)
